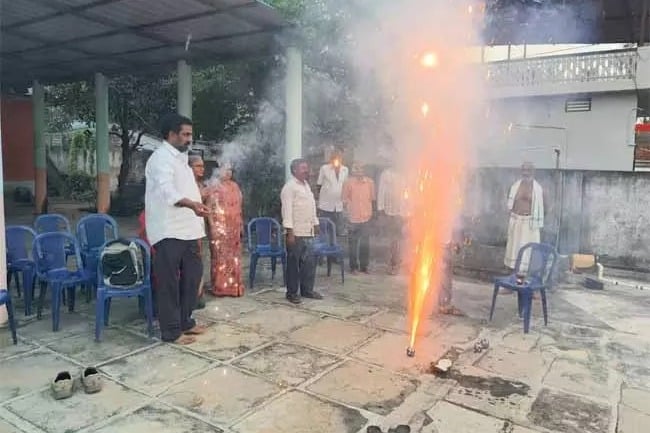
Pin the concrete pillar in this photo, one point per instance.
(293, 118)
(40, 150)
(102, 139)
(3, 253)
(184, 89)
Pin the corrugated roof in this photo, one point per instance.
(55, 40)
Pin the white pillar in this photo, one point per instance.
(293, 117)
(184, 89)
(3, 249)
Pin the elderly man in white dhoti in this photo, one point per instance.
(526, 206)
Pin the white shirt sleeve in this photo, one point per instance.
(321, 176)
(162, 176)
(286, 197)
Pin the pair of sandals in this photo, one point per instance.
(402, 428)
(63, 385)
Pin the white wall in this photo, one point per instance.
(528, 129)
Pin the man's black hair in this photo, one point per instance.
(173, 123)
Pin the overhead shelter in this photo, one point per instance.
(50, 41)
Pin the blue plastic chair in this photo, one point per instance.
(93, 231)
(105, 292)
(20, 261)
(265, 240)
(53, 223)
(53, 269)
(5, 299)
(537, 277)
(326, 245)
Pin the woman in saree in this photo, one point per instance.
(225, 225)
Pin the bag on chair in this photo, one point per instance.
(122, 264)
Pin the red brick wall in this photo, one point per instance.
(17, 139)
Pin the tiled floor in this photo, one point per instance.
(338, 365)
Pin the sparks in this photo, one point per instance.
(425, 109)
(429, 60)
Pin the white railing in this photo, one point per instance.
(567, 69)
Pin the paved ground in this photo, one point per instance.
(339, 365)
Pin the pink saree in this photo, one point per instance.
(225, 229)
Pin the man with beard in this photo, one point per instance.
(174, 216)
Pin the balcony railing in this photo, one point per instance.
(567, 69)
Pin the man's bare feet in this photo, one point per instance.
(196, 330)
(184, 340)
(450, 310)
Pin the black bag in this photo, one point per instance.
(122, 263)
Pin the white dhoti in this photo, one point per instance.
(521, 231)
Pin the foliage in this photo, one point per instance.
(81, 186)
(83, 144)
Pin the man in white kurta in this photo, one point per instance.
(526, 206)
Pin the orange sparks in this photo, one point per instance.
(425, 109)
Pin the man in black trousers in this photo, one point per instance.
(174, 222)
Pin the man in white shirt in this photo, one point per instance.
(391, 207)
(331, 178)
(174, 222)
(300, 221)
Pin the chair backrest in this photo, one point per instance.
(50, 251)
(94, 230)
(20, 240)
(51, 222)
(264, 233)
(536, 261)
(327, 232)
(146, 261)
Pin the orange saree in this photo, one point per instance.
(225, 229)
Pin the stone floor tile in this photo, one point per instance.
(297, 412)
(157, 418)
(71, 324)
(567, 413)
(333, 335)
(84, 349)
(29, 372)
(340, 308)
(519, 341)
(457, 331)
(389, 351)
(5, 427)
(632, 421)
(287, 364)
(221, 394)
(528, 367)
(636, 399)
(491, 394)
(449, 418)
(592, 380)
(228, 308)
(8, 348)
(224, 341)
(77, 412)
(276, 320)
(365, 387)
(153, 370)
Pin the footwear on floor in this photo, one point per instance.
(312, 295)
(91, 380)
(294, 299)
(373, 429)
(62, 386)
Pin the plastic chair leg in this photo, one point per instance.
(41, 300)
(494, 300)
(107, 310)
(57, 294)
(329, 266)
(342, 266)
(12, 320)
(148, 308)
(15, 275)
(284, 270)
(99, 315)
(274, 261)
(71, 295)
(28, 284)
(527, 301)
(252, 270)
(544, 306)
